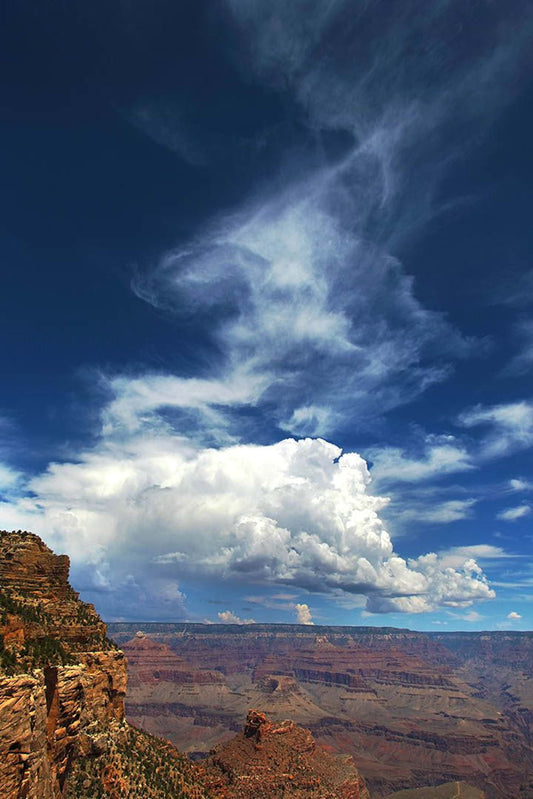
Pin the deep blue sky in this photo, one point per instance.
(226, 225)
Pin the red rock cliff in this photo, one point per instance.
(61, 679)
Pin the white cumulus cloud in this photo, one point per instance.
(295, 513)
(303, 613)
(228, 617)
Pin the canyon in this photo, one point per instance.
(340, 712)
(63, 733)
(413, 709)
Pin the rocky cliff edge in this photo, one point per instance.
(61, 679)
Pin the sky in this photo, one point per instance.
(266, 312)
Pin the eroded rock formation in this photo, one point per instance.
(280, 759)
(152, 663)
(61, 679)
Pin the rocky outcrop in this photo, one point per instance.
(42, 618)
(280, 759)
(25, 768)
(48, 717)
(61, 680)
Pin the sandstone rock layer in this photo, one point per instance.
(61, 679)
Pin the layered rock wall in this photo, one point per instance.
(61, 680)
(37, 601)
(24, 764)
(411, 711)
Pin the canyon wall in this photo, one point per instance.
(403, 704)
(61, 679)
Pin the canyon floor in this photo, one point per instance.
(414, 710)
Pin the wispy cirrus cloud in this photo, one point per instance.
(480, 552)
(522, 362)
(9, 477)
(435, 512)
(520, 484)
(163, 402)
(326, 324)
(299, 287)
(401, 102)
(512, 514)
(516, 292)
(508, 426)
(441, 455)
(166, 122)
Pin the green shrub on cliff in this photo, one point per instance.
(28, 612)
(46, 651)
(136, 765)
(8, 661)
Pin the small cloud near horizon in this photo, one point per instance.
(228, 617)
(303, 614)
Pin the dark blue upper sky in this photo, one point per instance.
(230, 227)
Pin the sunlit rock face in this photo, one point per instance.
(60, 677)
(39, 607)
